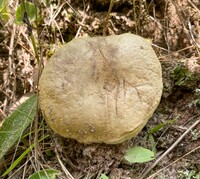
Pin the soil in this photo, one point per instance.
(173, 28)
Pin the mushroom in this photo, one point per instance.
(101, 89)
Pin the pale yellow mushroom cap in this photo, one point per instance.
(101, 89)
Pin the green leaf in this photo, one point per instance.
(139, 155)
(27, 7)
(181, 75)
(45, 174)
(103, 176)
(5, 16)
(3, 10)
(49, 153)
(19, 159)
(159, 126)
(16, 123)
(152, 142)
(3, 4)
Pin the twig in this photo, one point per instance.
(3, 114)
(53, 16)
(169, 150)
(192, 35)
(172, 52)
(72, 7)
(11, 48)
(137, 16)
(107, 16)
(30, 33)
(193, 5)
(134, 14)
(69, 176)
(181, 17)
(82, 22)
(153, 175)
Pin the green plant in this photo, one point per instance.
(195, 134)
(4, 14)
(14, 126)
(160, 126)
(27, 8)
(27, 13)
(155, 129)
(45, 174)
(103, 176)
(189, 174)
(19, 159)
(194, 103)
(16, 123)
(181, 74)
(139, 155)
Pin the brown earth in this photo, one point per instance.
(173, 27)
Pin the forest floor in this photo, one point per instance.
(172, 26)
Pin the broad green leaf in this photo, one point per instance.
(103, 176)
(19, 159)
(16, 123)
(139, 155)
(27, 7)
(45, 174)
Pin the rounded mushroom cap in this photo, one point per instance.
(101, 89)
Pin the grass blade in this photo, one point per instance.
(16, 162)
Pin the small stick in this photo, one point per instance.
(194, 6)
(153, 175)
(82, 22)
(170, 149)
(10, 70)
(69, 176)
(112, 2)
